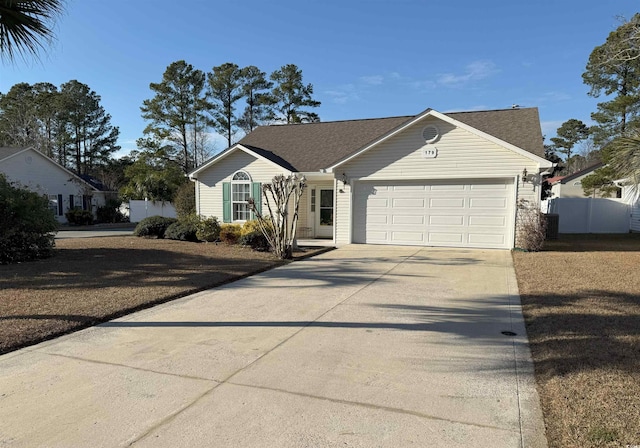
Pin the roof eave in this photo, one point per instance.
(193, 174)
(543, 163)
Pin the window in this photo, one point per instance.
(313, 200)
(53, 204)
(240, 194)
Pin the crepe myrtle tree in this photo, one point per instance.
(282, 200)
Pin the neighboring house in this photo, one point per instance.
(432, 179)
(570, 186)
(64, 189)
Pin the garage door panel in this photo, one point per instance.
(407, 237)
(481, 186)
(487, 221)
(378, 219)
(446, 203)
(409, 188)
(405, 219)
(446, 220)
(438, 213)
(436, 237)
(409, 203)
(500, 203)
(447, 187)
(378, 202)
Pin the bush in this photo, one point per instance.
(153, 226)
(185, 200)
(27, 224)
(252, 226)
(230, 233)
(256, 240)
(182, 230)
(531, 227)
(79, 217)
(110, 212)
(208, 229)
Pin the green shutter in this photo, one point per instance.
(226, 201)
(256, 194)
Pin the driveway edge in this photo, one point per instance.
(531, 419)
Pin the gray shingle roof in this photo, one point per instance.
(314, 146)
(6, 152)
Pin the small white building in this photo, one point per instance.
(570, 186)
(65, 190)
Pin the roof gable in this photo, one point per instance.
(258, 153)
(314, 147)
(6, 153)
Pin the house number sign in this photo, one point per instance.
(430, 153)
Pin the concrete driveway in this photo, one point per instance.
(364, 346)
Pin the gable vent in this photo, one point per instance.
(430, 134)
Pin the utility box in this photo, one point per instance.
(553, 224)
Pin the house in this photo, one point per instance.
(435, 179)
(570, 186)
(37, 172)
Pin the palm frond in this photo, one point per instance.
(26, 25)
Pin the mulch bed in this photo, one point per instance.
(92, 280)
(581, 301)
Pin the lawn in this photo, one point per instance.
(91, 280)
(581, 301)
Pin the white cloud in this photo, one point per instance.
(475, 71)
(343, 94)
(374, 80)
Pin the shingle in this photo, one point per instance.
(314, 146)
(6, 152)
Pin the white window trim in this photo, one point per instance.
(235, 182)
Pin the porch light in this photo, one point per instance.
(344, 180)
(524, 175)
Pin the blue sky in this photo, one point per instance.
(365, 58)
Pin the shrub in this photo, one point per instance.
(256, 240)
(27, 224)
(208, 229)
(531, 227)
(153, 226)
(79, 217)
(183, 230)
(185, 200)
(230, 233)
(110, 212)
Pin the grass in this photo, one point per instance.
(581, 301)
(92, 280)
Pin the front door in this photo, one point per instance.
(324, 216)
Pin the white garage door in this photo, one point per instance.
(470, 213)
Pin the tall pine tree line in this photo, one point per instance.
(231, 100)
(67, 124)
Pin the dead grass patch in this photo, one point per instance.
(581, 302)
(91, 280)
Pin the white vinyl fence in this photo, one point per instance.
(138, 210)
(589, 215)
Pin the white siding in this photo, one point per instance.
(460, 155)
(39, 174)
(209, 184)
(342, 214)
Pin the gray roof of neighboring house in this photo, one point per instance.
(6, 152)
(314, 146)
